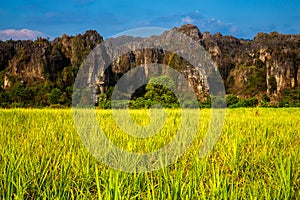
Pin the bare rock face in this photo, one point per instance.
(31, 60)
(141, 54)
(159, 56)
(191, 31)
(281, 56)
(39, 60)
(268, 64)
(7, 52)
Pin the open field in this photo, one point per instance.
(256, 157)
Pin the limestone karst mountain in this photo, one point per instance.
(31, 70)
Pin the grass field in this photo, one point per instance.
(256, 157)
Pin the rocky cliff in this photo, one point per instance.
(268, 64)
(41, 60)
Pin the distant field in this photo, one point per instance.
(256, 157)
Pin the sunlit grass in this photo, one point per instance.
(256, 157)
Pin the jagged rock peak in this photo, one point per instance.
(218, 34)
(89, 35)
(92, 35)
(190, 30)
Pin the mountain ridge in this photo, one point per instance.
(267, 65)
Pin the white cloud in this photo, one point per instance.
(187, 19)
(212, 24)
(23, 34)
(216, 25)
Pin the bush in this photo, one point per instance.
(251, 102)
(119, 104)
(55, 96)
(290, 98)
(231, 100)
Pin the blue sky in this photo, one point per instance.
(30, 18)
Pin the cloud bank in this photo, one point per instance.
(208, 24)
(23, 34)
(204, 24)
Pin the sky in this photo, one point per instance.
(29, 19)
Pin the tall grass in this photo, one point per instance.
(256, 157)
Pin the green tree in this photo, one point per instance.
(55, 96)
(5, 99)
(159, 90)
(102, 101)
(140, 102)
(265, 98)
(231, 100)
